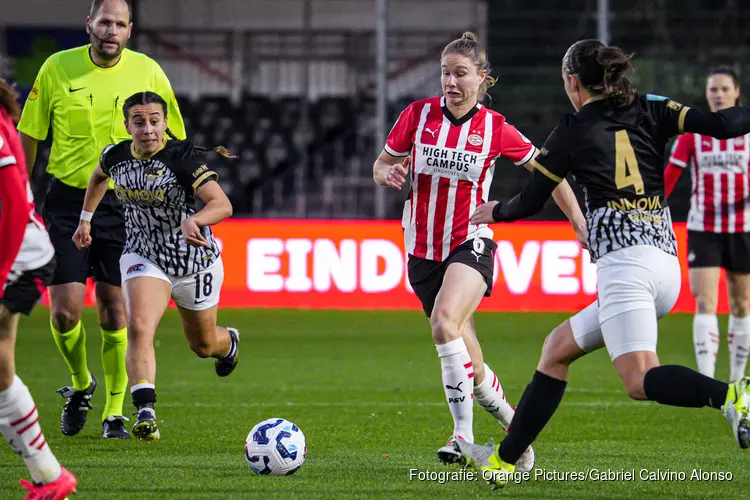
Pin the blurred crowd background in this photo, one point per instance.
(294, 87)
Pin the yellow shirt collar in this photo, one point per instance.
(146, 157)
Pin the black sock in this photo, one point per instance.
(675, 385)
(144, 397)
(536, 407)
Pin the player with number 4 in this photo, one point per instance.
(613, 145)
(170, 251)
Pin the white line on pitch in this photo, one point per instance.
(362, 404)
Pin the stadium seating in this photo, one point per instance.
(328, 162)
(276, 148)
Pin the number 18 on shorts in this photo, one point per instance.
(197, 291)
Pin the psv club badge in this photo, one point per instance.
(475, 140)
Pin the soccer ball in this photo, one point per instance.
(275, 446)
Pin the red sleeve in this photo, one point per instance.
(7, 156)
(683, 150)
(671, 174)
(514, 145)
(14, 214)
(401, 137)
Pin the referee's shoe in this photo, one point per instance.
(113, 427)
(77, 408)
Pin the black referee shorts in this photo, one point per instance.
(62, 211)
(426, 276)
(729, 251)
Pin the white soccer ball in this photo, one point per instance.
(275, 446)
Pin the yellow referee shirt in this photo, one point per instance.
(83, 102)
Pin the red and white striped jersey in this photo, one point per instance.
(452, 165)
(720, 201)
(36, 249)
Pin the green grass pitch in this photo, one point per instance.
(365, 389)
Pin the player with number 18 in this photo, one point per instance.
(170, 251)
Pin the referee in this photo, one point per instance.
(80, 93)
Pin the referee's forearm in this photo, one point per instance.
(29, 146)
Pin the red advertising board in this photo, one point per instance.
(336, 264)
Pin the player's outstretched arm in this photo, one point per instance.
(725, 124)
(529, 202)
(95, 191)
(566, 200)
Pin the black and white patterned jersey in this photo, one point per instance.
(616, 155)
(158, 193)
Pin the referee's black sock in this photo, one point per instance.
(675, 385)
(536, 407)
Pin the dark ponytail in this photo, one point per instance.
(148, 97)
(602, 70)
(9, 100)
(723, 70)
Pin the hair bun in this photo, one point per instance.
(469, 35)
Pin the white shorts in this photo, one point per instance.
(639, 278)
(197, 291)
(587, 331)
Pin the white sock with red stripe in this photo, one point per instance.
(490, 396)
(706, 342)
(458, 380)
(739, 343)
(19, 423)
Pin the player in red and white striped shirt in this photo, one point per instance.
(19, 420)
(718, 228)
(448, 146)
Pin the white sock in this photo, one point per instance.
(490, 396)
(458, 375)
(706, 342)
(739, 342)
(19, 423)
